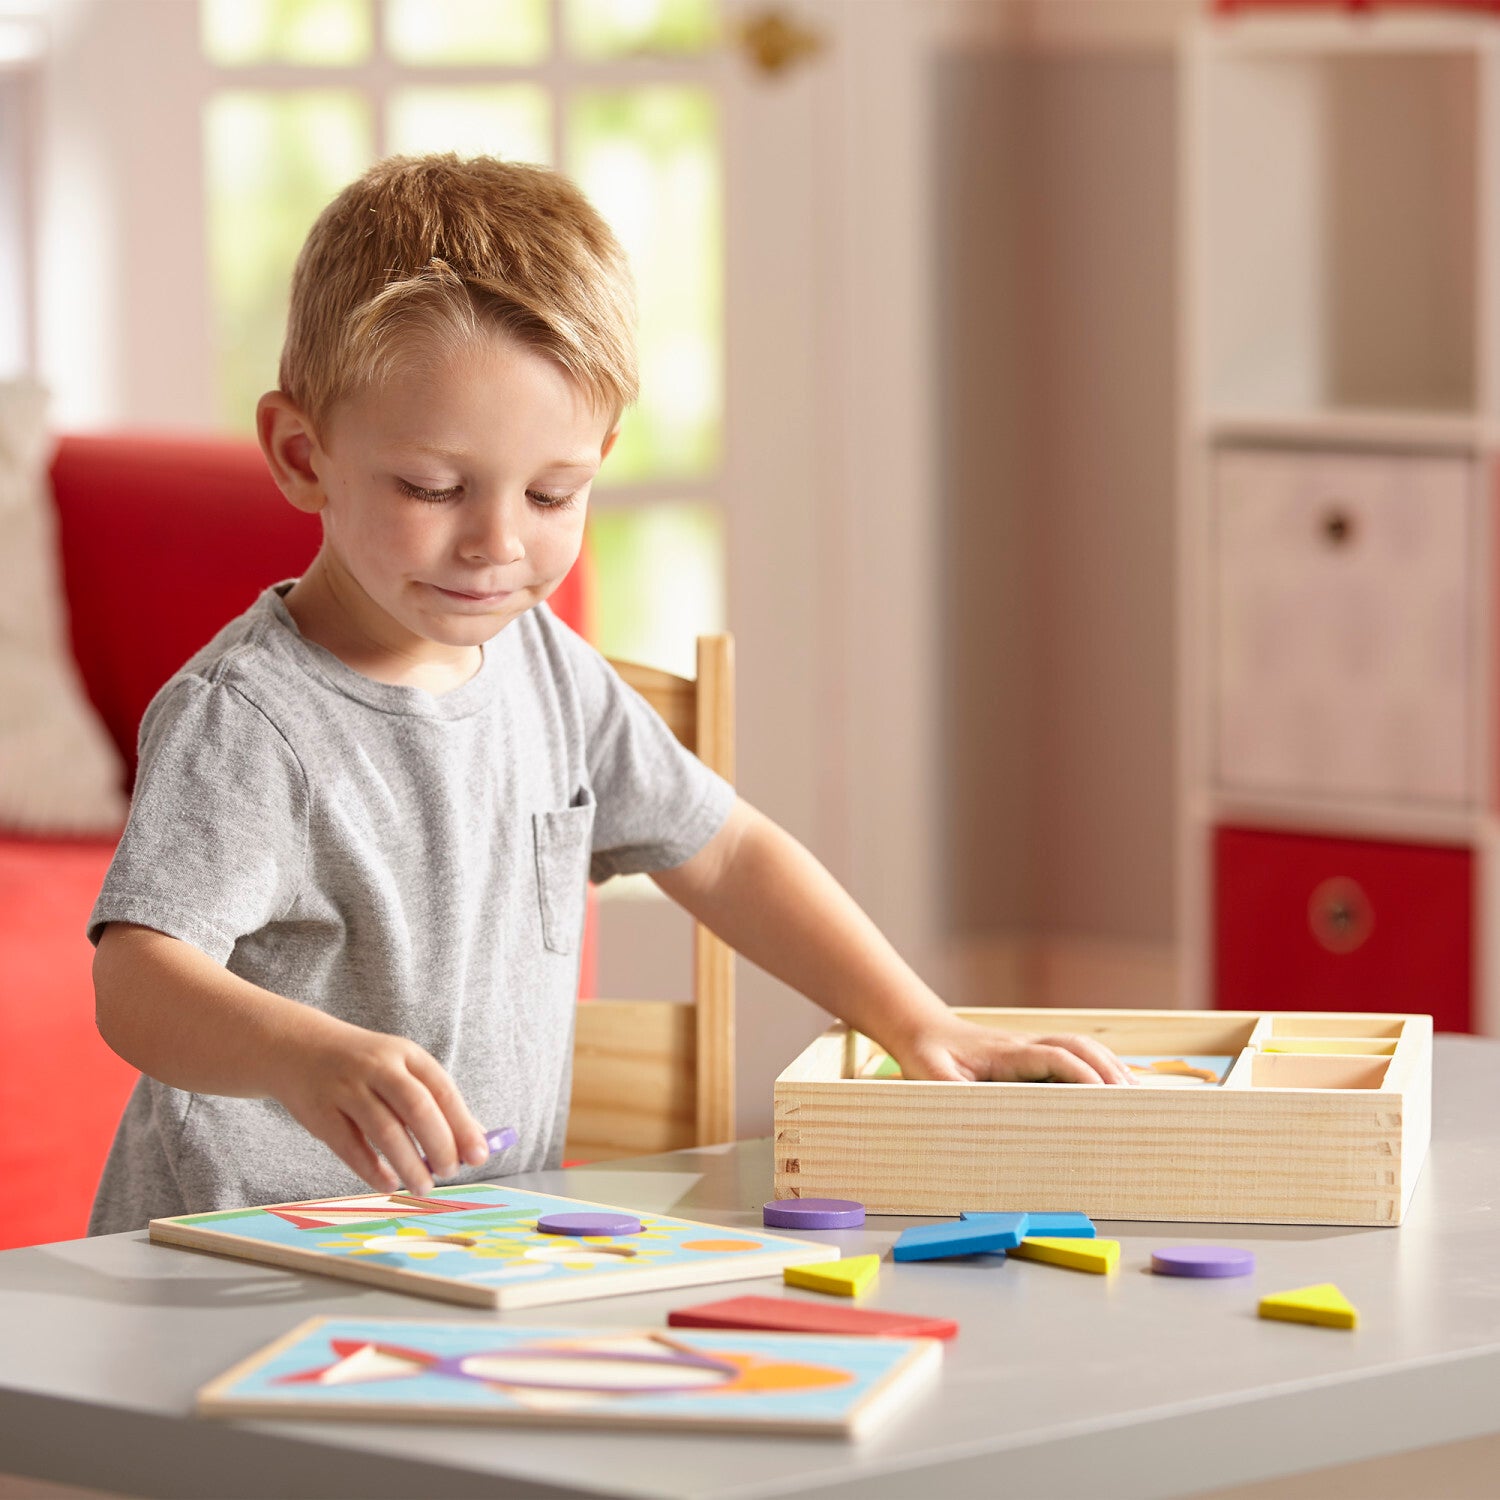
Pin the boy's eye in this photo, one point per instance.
(434, 496)
(539, 498)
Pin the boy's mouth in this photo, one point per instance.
(467, 597)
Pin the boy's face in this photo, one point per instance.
(454, 500)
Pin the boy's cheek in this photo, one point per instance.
(570, 544)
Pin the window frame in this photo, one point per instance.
(563, 77)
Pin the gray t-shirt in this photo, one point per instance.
(413, 864)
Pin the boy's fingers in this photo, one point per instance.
(1042, 1062)
(938, 1069)
(467, 1132)
(418, 1114)
(1104, 1062)
(386, 1132)
(348, 1143)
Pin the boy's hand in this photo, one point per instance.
(957, 1050)
(362, 1092)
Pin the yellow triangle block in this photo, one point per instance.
(1102, 1256)
(1324, 1304)
(839, 1278)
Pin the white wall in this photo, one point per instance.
(1055, 218)
(121, 267)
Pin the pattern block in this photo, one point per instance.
(839, 1278)
(1202, 1260)
(1100, 1256)
(783, 1315)
(961, 1237)
(813, 1213)
(1323, 1304)
(1055, 1225)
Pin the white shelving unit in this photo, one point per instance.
(1340, 442)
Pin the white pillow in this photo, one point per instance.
(59, 769)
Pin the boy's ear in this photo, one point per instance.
(287, 440)
(608, 443)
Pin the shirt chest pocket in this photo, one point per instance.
(564, 841)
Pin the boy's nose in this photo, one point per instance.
(497, 540)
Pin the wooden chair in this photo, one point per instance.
(654, 1075)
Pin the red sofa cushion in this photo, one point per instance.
(163, 541)
(61, 1088)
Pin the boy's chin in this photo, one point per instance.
(472, 629)
(473, 632)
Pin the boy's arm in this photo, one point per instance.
(756, 887)
(181, 1018)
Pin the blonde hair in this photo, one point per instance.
(423, 255)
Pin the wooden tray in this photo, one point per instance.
(1322, 1118)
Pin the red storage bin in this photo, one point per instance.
(1306, 922)
(1229, 7)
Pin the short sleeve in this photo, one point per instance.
(215, 846)
(657, 803)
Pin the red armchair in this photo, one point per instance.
(163, 539)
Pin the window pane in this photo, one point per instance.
(272, 160)
(649, 159)
(632, 28)
(659, 581)
(330, 33)
(514, 32)
(509, 121)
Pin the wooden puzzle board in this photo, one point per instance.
(395, 1369)
(478, 1244)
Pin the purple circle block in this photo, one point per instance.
(1202, 1260)
(592, 1223)
(813, 1213)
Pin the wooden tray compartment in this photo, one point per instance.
(1303, 1070)
(1333, 1130)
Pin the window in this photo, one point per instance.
(621, 94)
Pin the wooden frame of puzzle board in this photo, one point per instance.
(1323, 1118)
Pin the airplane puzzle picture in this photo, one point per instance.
(478, 1244)
(384, 1368)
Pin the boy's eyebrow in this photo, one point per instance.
(436, 449)
(459, 455)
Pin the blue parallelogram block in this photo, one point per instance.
(961, 1237)
(1057, 1226)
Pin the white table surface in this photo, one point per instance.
(1059, 1384)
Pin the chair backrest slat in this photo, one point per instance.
(674, 698)
(649, 1074)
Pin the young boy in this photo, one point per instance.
(342, 926)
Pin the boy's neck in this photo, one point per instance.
(324, 616)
